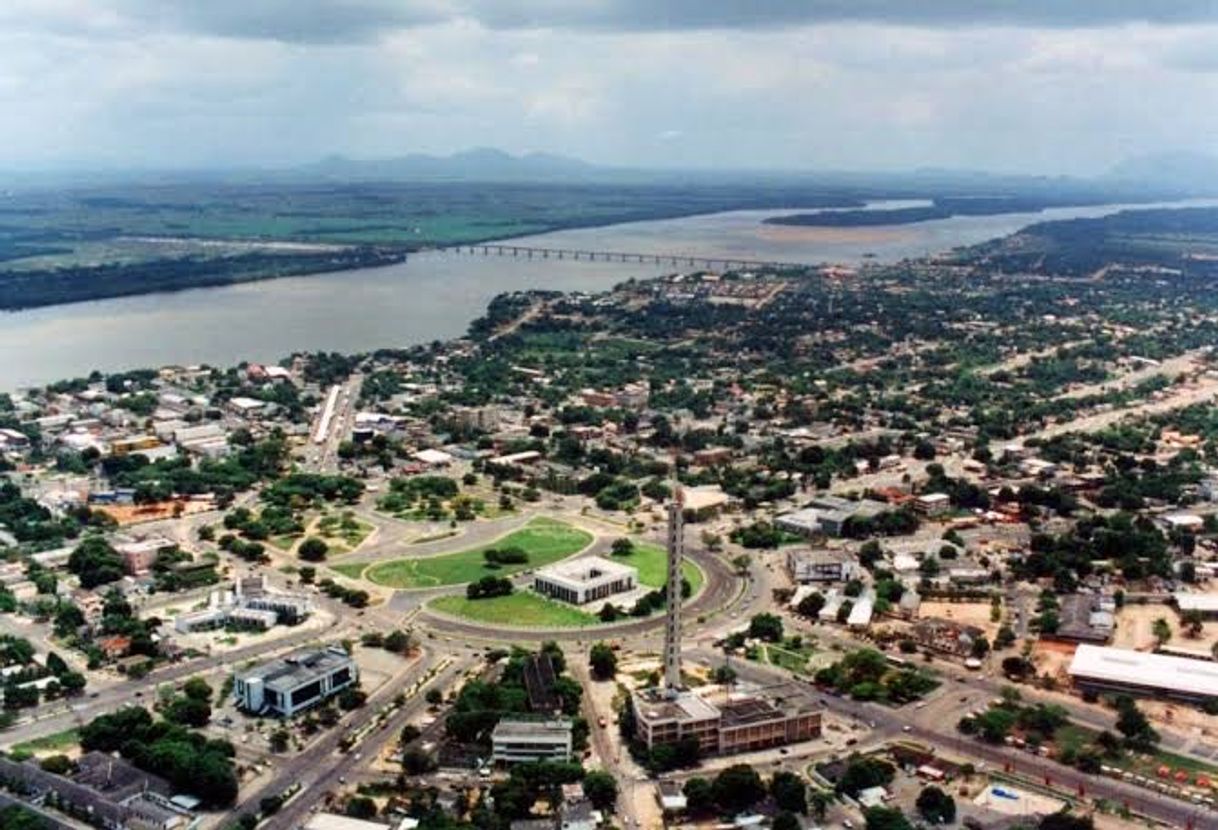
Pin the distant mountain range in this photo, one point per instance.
(1188, 171)
(485, 163)
(1176, 172)
(1161, 176)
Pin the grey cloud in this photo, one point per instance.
(733, 14)
(321, 21)
(304, 21)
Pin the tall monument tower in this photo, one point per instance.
(672, 624)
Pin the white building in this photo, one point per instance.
(862, 611)
(585, 580)
(1186, 522)
(1207, 604)
(515, 741)
(1104, 669)
(933, 504)
(297, 682)
(821, 566)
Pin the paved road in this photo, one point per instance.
(323, 457)
(81, 709)
(719, 591)
(890, 722)
(320, 769)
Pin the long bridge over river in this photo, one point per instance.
(715, 263)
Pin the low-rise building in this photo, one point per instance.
(516, 740)
(703, 503)
(1183, 522)
(140, 555)
(297, 682)
(743, 723)
(1086, 618)
(585, 580)
(1105, 669)
(932, 504)
(821, 565)
(1206, 604)
(828, 515)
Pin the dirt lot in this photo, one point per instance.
(966, 613)
(1053, 659)
(1134, 624)
(130, 514)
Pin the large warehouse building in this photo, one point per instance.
(1103, 669)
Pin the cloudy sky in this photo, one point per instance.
(1021, 85)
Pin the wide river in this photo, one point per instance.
(432, 295)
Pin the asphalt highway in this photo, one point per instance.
(942, 737)
(321, 768)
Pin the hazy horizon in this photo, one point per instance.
(872, 85)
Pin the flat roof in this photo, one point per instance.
(522, 728)
(653, 705)
(748, 711)
(820, 556)
(299, 667)
(1120, 665)
(702, 498)
(333, 821)
(585, 569)
(1196, 602)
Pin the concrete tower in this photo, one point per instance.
(672, 624)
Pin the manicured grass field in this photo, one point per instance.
(351, 570)
(652, 563)
(544, 540)
(522, 608)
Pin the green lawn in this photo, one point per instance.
(1076, 737)
(652, 563)
(285, 542)
(544, 540)
(343, 534)
(524, 609)
(789, 659)
(58, 742)
(351, 570)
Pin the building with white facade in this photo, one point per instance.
(297, 682)
(1105, 669)
(821, 566)
(585, 580)
(518, 740)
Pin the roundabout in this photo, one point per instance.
(721, 589)
(542, 541)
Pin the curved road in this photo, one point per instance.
(721, 588)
